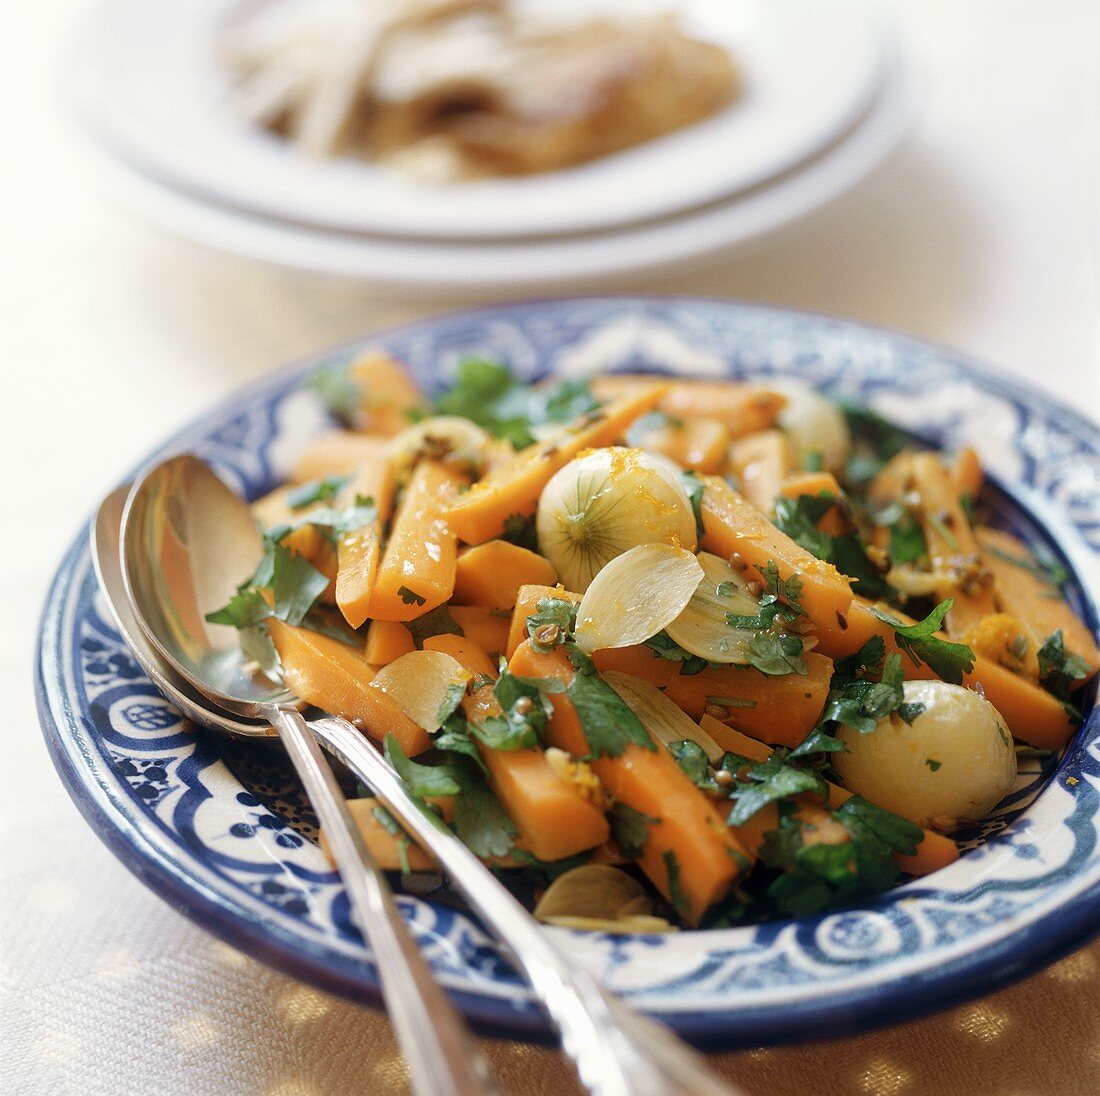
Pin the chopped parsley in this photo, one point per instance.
(675, 886)
(520, 530)
(336, 390)
(487, 393)
(692, 758)
(630, 829)
(321, 490)
(693, 485)
(389, 824)
(420, 780)
(1058, 667)
(552, 623)
(664, 646)
(799, 519)
(608, 723)
(437, 622)
(411, 597)
(762, 782)
(932, 763)
(947, 660)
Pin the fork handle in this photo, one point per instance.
(440, 1054)
(617, 1051)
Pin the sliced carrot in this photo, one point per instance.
(387, 640)
(761, 462)
(385, 847)
(1040, 608)
(488, 628)
(690, 833)
(325, 672)
(492, 573)
(387, 394)
(274, 509)
(514, 488)
(417, 572)
(785, 709)
(733, 527)
(527, 601)
(1032, 714)
(554, 817)
(336, 453)
(934, 851)
(741, 408)
(358, 549)
(952, 549)
(467, 652)
(698, 444)
(967, 473)
(834, 521)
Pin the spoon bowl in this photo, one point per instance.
(187, 543)
(105, 544)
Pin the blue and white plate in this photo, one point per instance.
(222, 833)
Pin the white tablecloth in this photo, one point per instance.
(983, 232)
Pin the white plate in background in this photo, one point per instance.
(514, 268)
(145, 81)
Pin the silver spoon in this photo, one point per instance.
(616, 1050)
(186, 541)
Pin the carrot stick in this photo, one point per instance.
(325, 672)
(1038, 606)
(514, 488)
(698, 444)
(358, 549)
(488, 628)
(690, 830)
(553, 815)
(336, 453)
(733, 526)
(741, 408)
(387, 640)
(417, 572)
(387, 394)
(1032, 714)
(492, 573)
(760, 462)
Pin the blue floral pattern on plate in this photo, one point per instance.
(223, 833)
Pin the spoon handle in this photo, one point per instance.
(440, 1054)
(617, 1051)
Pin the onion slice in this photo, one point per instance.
(424, 685)
(601, 898)
(635, 595)
(702, 628)
(661, 717)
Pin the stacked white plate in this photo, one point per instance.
(824, 103)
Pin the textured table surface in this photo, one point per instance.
(982, 232)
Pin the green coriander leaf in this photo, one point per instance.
(818, 741)
(907, 540)
(438, 622)
(693, 485)
(452, 698)
(932, 763)
(863, 819)
(675, 886)
(608, 724)
(316, 491)
(909, 712)
(296, 584)
(947, 660)
(630, 829)
(336, 390)
(552, 623)
(410, 597)
(1058, 667)
(812, 461)
(479, 819)
(776, 655)
(244, 609)
(455, 737)
(692, 758)
(765, 782)
(520, 530)
(389, 824)
(420, 780)
(663, 646)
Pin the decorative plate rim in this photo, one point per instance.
(1048, 935)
